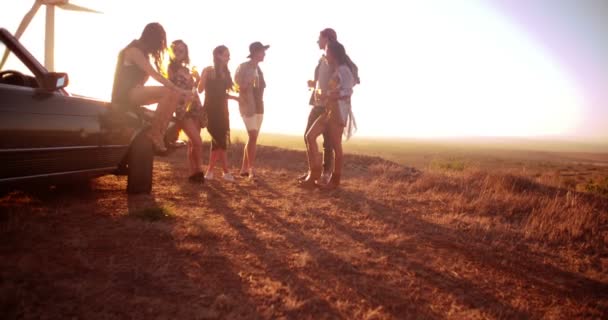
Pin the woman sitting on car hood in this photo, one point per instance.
(133, 70)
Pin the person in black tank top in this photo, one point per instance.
(216, 81)
(133, 69)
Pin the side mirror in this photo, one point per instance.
(56, 80)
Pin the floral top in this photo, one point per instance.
(250, 81)
(181, 77)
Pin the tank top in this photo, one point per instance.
(126, 77)
(216, 103)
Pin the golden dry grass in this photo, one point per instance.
(394, 242)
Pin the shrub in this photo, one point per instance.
(153, 214)
(449, 165)
(599, 187)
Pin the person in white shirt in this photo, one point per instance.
(250, 83)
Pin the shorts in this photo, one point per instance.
(254, 122)
(339, 112)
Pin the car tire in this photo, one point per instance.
(139, 165)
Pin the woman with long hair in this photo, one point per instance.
(216, 81)
(337, 119)
(189, 113)
(133, 69)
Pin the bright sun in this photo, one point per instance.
(465, 71)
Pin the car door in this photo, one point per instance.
(43, 132)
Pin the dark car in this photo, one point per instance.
(50, 135)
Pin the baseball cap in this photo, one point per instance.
(256, 47)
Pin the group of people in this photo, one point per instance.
(331, 115)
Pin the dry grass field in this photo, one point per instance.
(418, 230)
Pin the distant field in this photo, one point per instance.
(481, 151)
(421, 152)
(576, 165)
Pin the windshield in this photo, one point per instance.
(14, 71)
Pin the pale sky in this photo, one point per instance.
(433, 68)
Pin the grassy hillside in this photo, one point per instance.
(453, 239)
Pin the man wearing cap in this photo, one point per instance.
(250, 83)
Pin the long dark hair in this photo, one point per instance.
(153, 41)
(338, 52)
(342, 58)
(174, 64)
(221, 71)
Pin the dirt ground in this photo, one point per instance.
(391, 243)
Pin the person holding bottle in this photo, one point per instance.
(189, 113)
(250, 81)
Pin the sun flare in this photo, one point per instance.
(466, 71)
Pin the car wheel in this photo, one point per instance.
(139, 165)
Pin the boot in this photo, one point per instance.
(158, 127)
(310, 181)
(325, 177)
(333, 183)
(157, 140)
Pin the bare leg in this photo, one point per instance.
(328, 153)
(312, 149)
(195, 145)
(252, 148)
(335, 132)
(161, 119)
(335, 135)
(167, 101)
(212, 158)
(150, 94)
(223, 157)
(249, 151)
(245, 164)
(314, 114)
